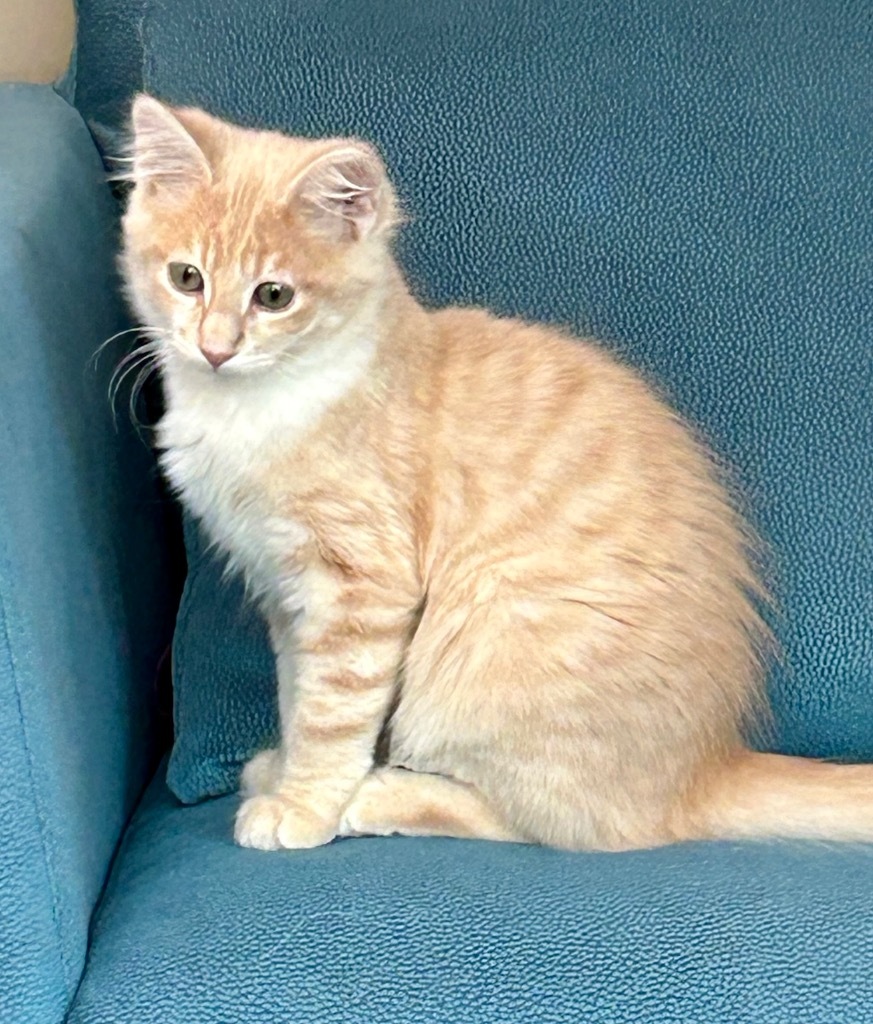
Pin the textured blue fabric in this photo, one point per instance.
(107, 59)
(431, 931)
(225, 706)
(83, 616)
(689, 180)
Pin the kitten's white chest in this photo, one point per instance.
(218, 461)
(221, 440)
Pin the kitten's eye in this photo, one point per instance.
(185, 277)
(272, 295)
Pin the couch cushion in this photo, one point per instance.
(84, 610)
(225, 706)
(442, 931)
(689, 180)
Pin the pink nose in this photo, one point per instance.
(215, 358)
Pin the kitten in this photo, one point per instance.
(493, 534)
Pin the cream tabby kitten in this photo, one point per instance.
(493, 537)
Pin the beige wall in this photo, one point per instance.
(36, 37)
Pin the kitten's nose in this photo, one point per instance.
(221, 334)
(216, 357)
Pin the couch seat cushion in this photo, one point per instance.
(193, 930)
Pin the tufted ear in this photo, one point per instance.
(163, 150)
(346, 192)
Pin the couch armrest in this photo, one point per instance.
(84, 610)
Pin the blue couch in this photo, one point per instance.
(688, 179)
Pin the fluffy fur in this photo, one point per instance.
(492, 537)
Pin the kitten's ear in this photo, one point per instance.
(163, 150)
(345, 191)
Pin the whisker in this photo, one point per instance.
(148, 349)
(142, 376)
(145, 372)
(289, 359)
(148, 356)
(140, 328)
(259, 360)
(119, 381)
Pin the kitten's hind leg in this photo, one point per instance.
(394, 800)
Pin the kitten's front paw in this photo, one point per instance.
(275, 823)
(261, 775)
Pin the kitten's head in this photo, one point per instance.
(244, 249)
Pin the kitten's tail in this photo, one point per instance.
(771, 796)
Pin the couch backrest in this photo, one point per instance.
(688, 179)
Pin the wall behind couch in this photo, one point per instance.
(36, 37)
